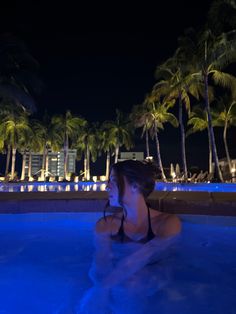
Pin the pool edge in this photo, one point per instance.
(178, 202)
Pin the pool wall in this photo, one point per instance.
(179, 202)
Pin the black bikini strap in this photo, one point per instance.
(121, 232)
(150, 234)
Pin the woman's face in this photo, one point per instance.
(112, 189)
(113, 192)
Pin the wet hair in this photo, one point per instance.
(140, 173)
(143, 174)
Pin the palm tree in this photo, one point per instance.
(24, 147)
(108, 143)
(68, 126)
(222, 16)
(139, 117)
(198, 121)
(218, 52)
(226, 117)
(13, 129)
(37, 143)
(158, 115)
(45, 137)
(1, 143)
(5, 109)
(214, 54)
(176, 83)
(88, 144)
(120, 131)
(18, 79)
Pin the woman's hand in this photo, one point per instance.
(128, 266)
(95, 300)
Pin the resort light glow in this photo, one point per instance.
(103, 187)
(94, 178)
(94, 187)
(67, 189)
(102, 178)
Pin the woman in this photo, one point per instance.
(127, 241)
(129, 185)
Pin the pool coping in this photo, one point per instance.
(179, 202)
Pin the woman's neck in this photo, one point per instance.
(136, 212)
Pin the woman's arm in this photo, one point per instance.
(102, 259)
(167, 235)
(134, 262)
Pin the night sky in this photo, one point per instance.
(92, 62)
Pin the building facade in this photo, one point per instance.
(131, 155)
(55, 163)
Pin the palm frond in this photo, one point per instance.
(224, 79)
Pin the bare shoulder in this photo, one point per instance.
(106, 225)
(165, 225)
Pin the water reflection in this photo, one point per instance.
(67, 189)
(114, 264)
(94, 187)
(30, 187)
(52, 187)
(101, 186)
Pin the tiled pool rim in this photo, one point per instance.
(179, 202)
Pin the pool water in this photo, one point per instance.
(45, 260)
(208, 187)
(52, 186)
(101, 186)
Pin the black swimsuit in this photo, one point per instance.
(121, 236)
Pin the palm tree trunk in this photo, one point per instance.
(8, 159)
(210, 152)
(47, 164)
(226, 146)
(23, 166)
(13, 162)
(159, 161)
(88, 164)
(85, 164)
(182, 133)
(30, 165)
(116, 153)
(217, 171)
(108, 159)
(147, 143)
(66, 146)
(43, 163)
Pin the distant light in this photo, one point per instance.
(94, 178)
(103, 187)
(103, 178)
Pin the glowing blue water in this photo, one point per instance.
(45, 259)
(101, 186)
(209, 187)
(52, 187)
